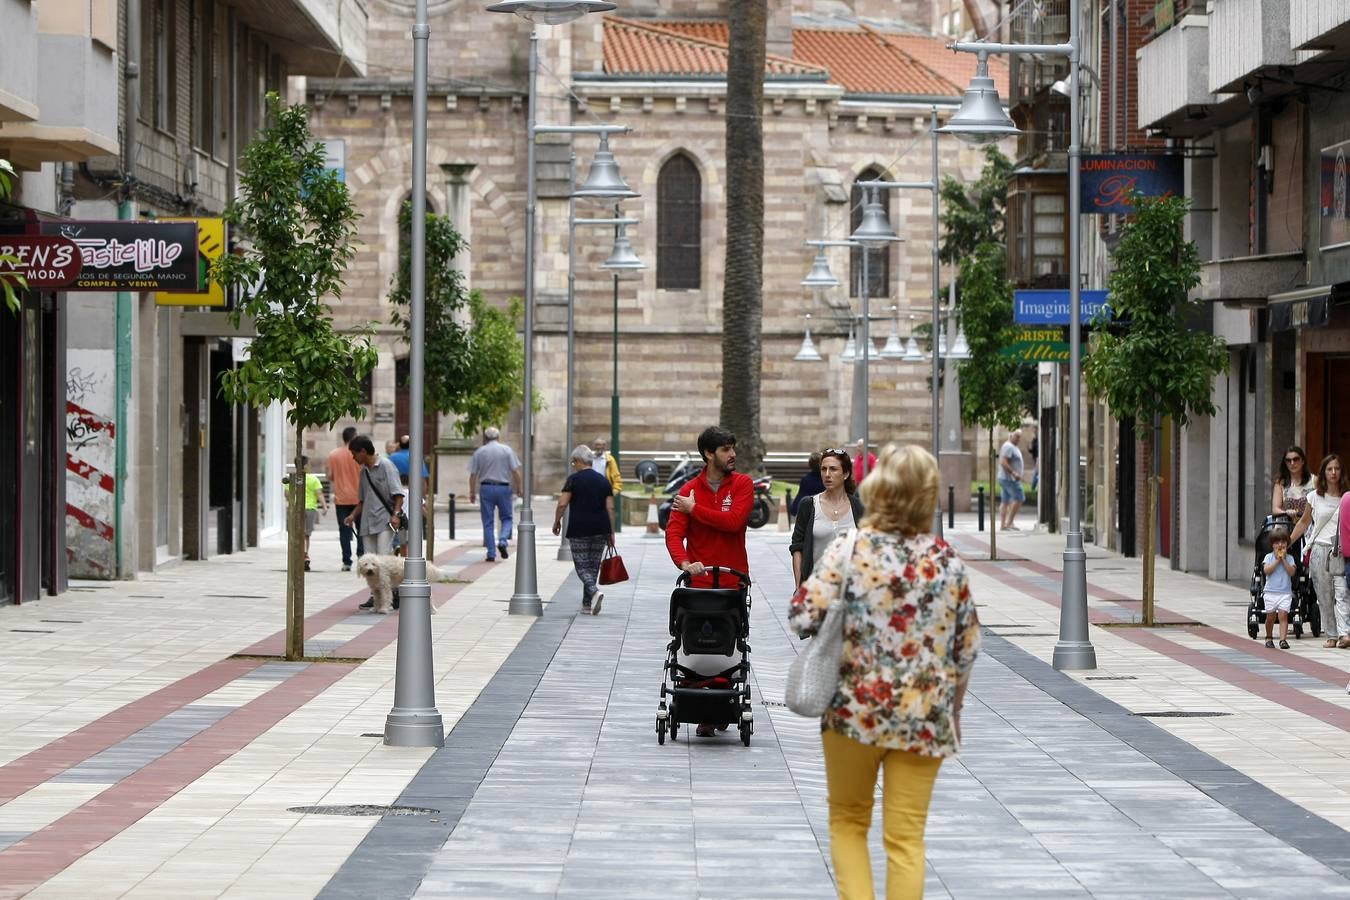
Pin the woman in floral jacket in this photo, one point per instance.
(910, 640)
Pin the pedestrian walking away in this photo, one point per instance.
(382, 495)
(825, 516)
(910, 637)
(708, 520)
(589, 502)
(314, 499)
(859, 470)
(344, 474)
(494, 472)
(1326, 556)
(1011, 494)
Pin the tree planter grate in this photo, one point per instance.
(363, 809)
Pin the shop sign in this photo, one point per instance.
(1040, 345)
(1331, 203)
(1032, 307)
(132, 256)
(1107, 179)
(210, 247)
(43, 262)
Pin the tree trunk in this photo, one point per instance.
(742, 289)
(994, 505)
(295, 559)
(1150, 528)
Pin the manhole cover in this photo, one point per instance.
(363, 809)
(1109, 678)
(1181, 714)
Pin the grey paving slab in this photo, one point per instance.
(145, 746)
(554, 786)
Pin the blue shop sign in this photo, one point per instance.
(1052, 307)
(1106, 180)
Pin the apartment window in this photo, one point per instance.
(220, 88)
(1048, 247)
(679, 225)
(878, 258)
(203, 69)
(159, 75)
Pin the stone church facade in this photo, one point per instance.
(849, 89)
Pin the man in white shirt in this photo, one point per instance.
(1010, 468)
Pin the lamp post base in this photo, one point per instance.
(1074, 650)
(414, 720)
(413, 728)
(526, 600)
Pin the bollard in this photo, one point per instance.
(789, 503)
(452, 517)
(565, 548)
(951, 506)
(653, 518)
(783, 523)
(979, 514)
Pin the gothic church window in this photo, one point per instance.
(679, 225)
(878, 258)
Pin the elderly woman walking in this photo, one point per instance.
(910, 639)
(589, 524)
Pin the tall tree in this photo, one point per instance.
(475, 359)
(301, 222)
(743, 288)
(1150, 363)
(974, 213)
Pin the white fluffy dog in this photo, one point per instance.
(385, 573)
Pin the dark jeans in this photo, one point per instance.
(494, 500)
(345, 533)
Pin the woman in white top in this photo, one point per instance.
(1321, 520)
(1292, 485)
(825, 516)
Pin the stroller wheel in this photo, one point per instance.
(745, 733)
(660, 731)
(1252, 630)
(1298, 630)
(1315, 619)
(674, 729)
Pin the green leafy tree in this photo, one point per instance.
(973, 213)
(991, 394)
(743, 285)
(11, 281)
(301, 222)
(1150, 363)
(475, 359)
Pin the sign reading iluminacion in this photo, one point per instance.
(1107, 179)
(1032, 307)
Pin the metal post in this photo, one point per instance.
(979, 511)
(525, 601)
(951, 506)
(614, 396)
(937, 293)
(414, 720)
(860, 397)
(1074, 649)
(452, 517)
(571, 299)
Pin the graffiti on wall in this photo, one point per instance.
(91, 462)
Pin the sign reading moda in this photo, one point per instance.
(1107, 179)
(132, 256)
(1052, 307)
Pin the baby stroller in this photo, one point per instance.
(712, 621)
(1303, 610)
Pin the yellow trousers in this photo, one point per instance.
(851, 777)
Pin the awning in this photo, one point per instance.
(1304, 308)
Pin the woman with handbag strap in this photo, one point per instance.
(910, 636)
(824, 516)
(588, 496)
(1326, 567)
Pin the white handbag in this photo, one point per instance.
(813, 677)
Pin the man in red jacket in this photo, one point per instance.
(709, 515)
(708, 518)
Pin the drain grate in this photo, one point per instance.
(363, 809)
(237, 596)
(1008, 634)
(1109, 678)
(773, 704)
(63, 621)
(378, 734)
(33, 630)
(1006, 625)
(1181, 714)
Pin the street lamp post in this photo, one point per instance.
(414, 720)
(981, 119)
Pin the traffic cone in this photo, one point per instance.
(783, 524)
(653, 520)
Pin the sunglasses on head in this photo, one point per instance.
(830, 450)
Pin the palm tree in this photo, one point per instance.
(742, 289)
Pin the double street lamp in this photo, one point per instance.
(980, 120)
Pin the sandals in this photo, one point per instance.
(1344, 643)
(1284, 645)
(1329, 643)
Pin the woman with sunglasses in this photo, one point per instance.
(823, 517)
(1292, 486)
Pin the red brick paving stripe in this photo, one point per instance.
(1231, 673)
(46, 852)
(321, 621)
(34, 768)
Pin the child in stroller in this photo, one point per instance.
(708, 626)
(1302, 608)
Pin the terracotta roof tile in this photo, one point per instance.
(639, 48)
(861, 60)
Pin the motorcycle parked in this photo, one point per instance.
(688, 470)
